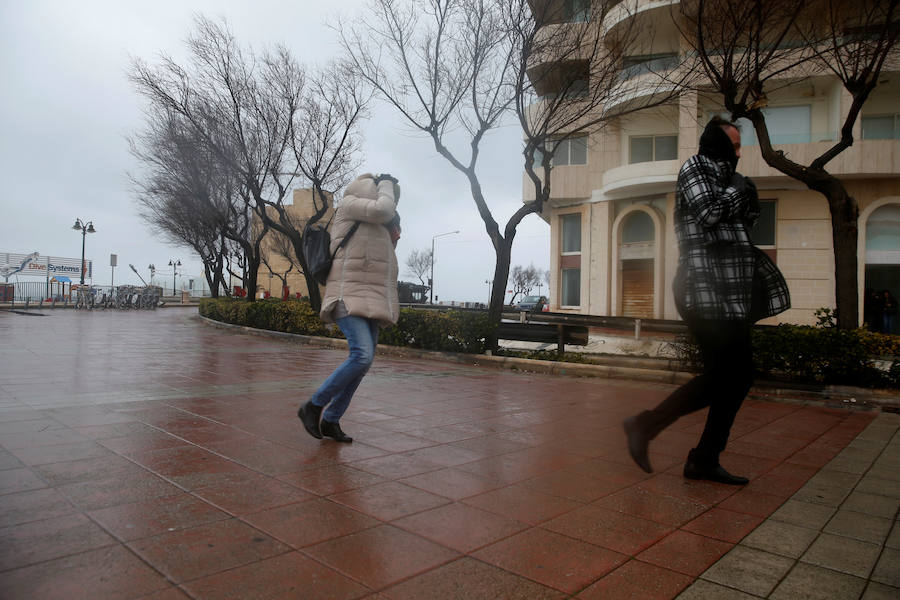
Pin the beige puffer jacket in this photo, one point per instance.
(364, 272)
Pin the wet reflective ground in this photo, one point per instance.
(147, 455)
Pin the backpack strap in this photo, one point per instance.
(346, 238)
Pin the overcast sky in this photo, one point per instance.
(67, 107)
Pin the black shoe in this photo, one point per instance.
(717, 474)
(309, 413)
(333, 430)
(637, 443)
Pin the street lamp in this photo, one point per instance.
(152, 268)
(431, 279)
(85, 229)
(174, 264)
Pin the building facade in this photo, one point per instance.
(279, 266)
(613, 248)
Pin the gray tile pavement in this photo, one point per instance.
(837, 537)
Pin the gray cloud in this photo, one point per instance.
(67, 108)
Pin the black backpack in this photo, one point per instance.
(316, 250)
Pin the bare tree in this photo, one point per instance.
(325, 143)
(418, 264)
(183, 194)
(749, 49)
(258, 116)
(523, 280)
(571, 81)
(279, 245)
(454, 69)
(445, 66)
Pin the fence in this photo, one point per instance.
(35, 292)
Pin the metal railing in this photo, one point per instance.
(33, 294)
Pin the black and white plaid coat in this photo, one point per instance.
(717, 261)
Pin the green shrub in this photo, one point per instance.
(450, 331)
(800, 353)
(825, 355)
(293, 316)
(446, 331)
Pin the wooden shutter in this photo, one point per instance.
(637, 288)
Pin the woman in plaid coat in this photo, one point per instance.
(723, 285)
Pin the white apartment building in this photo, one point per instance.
(613, 248)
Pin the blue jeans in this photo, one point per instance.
(338, 389)
(887, 323)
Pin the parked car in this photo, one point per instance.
(532, 303)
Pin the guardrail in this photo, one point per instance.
(634, 325)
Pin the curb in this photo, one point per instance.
(831, 396)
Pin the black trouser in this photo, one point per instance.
(727, 376)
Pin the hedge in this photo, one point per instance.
(797, 353)
(816, 355)
(448, 331)
(828, 355)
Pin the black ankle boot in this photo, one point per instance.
(309, 413)
(333, 430)
(638, 441)
(718, 474)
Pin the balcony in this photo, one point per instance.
(640, 179)
(630, 9)
(567, 181)
(638, 87)
(658, 64)
(865, 158)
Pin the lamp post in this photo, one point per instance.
(431, 279)
(174, 264)
(152, 268)
(85, 229)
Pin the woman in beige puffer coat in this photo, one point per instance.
(360, 294)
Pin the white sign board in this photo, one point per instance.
(37, 265)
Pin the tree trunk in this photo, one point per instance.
(208, 275)
(845, 233)
(498, 289)
(251, 274)
(844, 214)
(312, 286)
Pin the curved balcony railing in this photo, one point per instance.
(865, 158)
(636, 87)
(640, 178)
(656, 65)
(628, 9)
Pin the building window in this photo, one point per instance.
(885, 127)
(786, 125)
(570, 261)
(633, 66)
(646, 148)
(571, 233)
(571, 151)
(571, 287)
(638, 228)
(578, 11)
(763, 232)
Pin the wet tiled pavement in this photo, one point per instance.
(147, 455)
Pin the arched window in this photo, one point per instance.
(638, 227)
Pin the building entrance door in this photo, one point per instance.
(637, 288)
(882, 287)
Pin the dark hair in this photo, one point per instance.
(715, 143)
(717, 120)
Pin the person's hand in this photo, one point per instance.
(739, 182)
(385, 176)
(750, 187)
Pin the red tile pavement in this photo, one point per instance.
(153, 456)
